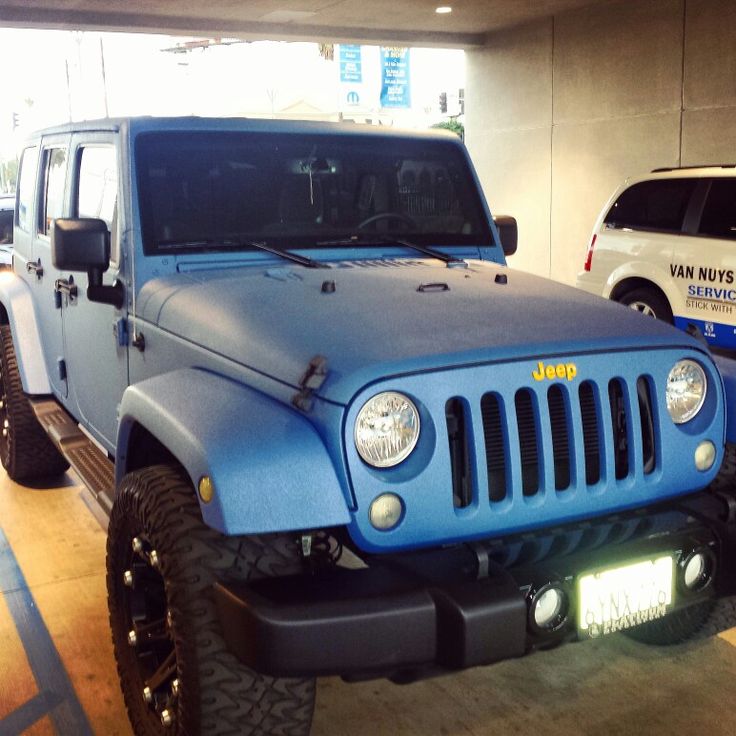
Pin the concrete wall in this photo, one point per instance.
(559, 112)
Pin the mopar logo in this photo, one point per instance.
(353, 98)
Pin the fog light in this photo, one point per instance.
(696, 571)
(549, 608)
(385, 511)
(705, 455)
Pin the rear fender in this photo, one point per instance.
(16, 298)
(270, 469)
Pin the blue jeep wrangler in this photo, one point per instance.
(334, 434)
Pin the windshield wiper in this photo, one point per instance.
(258, 244)
(450, 261)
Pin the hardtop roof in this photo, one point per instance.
(137, 125)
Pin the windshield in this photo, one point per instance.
(202, 191)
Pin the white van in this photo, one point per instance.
(665, 244)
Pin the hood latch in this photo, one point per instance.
(310, 382)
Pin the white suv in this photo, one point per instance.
(665, 244)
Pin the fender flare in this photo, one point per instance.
(727, 369)
(269, 466)
(16, 297)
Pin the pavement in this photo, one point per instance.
(57, 673)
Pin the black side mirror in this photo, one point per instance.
(80, 244)
(508, 232)
(83, 244)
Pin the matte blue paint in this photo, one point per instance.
(239, 330)
(270, 468)
(65, 711)
(727, 368)
(424, 482)
(378, 324)
(16, 297)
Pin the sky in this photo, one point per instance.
(60, 78)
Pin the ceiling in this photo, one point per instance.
(409, 22)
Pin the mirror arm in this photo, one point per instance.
(96, 292)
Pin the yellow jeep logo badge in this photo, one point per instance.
(551, 372)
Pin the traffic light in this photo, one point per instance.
(443, 101)
(16, 120)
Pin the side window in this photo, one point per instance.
(6, 227)
(719, 214)
(52, 204)
(652, 205)
(26, 186)
(98, 183)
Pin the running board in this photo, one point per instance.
(89, 462)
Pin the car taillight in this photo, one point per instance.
(589, 256)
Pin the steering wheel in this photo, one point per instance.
(388, 216)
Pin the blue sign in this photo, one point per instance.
(395, 89)
(350, 64)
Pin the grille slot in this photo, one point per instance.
(558, 416)
(528, 441)
(458, 434)
(591, 432)
(644, 393)
(620, 425)
(494, 435)
(566, 432)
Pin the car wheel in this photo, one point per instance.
(725, 481)
(676, 627)
(648, 302)
(176, 672)
(25, 451)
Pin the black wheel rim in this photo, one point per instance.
(150, 632)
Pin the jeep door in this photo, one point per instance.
(94, 334)
(50, 202)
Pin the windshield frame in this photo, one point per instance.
(310, 145)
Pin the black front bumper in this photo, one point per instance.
(412, 614)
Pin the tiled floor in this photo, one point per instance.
(57, 673)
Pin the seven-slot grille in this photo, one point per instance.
(519, 460)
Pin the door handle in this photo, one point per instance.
(35, 267)
(66, 286)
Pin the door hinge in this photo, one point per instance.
(61, 367)
(120, 330)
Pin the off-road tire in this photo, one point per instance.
(722, 618)
(651, 302)
(25, 451)
(218, 695)
(676, 627)
(725, 481)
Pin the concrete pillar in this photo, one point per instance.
(561, 111)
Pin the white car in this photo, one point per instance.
(665, 244)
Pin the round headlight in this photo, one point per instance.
(387, 429)
(686, 388)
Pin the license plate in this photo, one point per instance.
(618, 598)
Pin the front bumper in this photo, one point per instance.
(413, 614)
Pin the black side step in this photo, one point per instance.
(89, 462)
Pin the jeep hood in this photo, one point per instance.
(373, 319)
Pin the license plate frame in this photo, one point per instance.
(617, 597)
